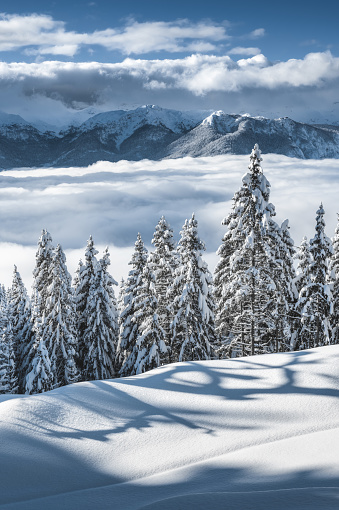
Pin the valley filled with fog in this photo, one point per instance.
(114, 201)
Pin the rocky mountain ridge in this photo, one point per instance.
(156, 133)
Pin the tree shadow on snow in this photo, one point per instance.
(38, 464)
(216, 380)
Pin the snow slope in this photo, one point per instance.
(257, 432)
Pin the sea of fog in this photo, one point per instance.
(114, 201)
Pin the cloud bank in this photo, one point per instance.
(198, 73)
(303, 89)
(114, 201)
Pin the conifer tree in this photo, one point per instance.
(120, 301)
(85, 278)
(3, 310)
(101, 333)
(76, 280)
(8, 377)
(119, 358)
(253, 279)
(41, 282)
(303, 276)
(39, 377)
(233, 238)
(42, 275)
(150, 345)
(19, 310)
(58, 324)
(129, 322)
(321, 250)
(285, 295)
(315, 301)
(193, 322)
(335, 274)
(164, 262)
(302, 281)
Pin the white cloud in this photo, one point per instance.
(114, 201)
(19, 31)
(68, 50)
(240, 50)
(41, 34)
(192, 73)
(259, 32)
(181, 35)
(304, 89)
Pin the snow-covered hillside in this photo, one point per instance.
(252, 433)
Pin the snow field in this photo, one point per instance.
(263, 423)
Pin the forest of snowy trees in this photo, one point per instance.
(170, 308)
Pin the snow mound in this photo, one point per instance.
(256, 432)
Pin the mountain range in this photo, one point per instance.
(156, 133)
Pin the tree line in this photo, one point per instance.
(170, 308)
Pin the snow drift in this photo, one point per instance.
(254, 432)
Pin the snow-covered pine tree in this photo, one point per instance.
(41, 282)
(120, 301)
(193, 322)
(321, 251)
(150, 345)
(42, 274)
(129, 323)
(39, 377)
(86, 275)
(253, 276)
(289, 289)
(303, 276)
(285, 296)
(101, 334)
(76, 280)
(232, 240)
(315, 301)
(19, 310)
(164, 263)
(77, 297)
(8, 377)
(119, 358)
(58, 324)
(3, 310)
(302, 281)
(335, 271)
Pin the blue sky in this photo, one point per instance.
(269, 58)
(290, 28)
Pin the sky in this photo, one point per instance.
(59, 60)
(276, 60)
(114, 201)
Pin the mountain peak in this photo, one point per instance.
(153, 132)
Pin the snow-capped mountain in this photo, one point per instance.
(155, 133)
(236, 134)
